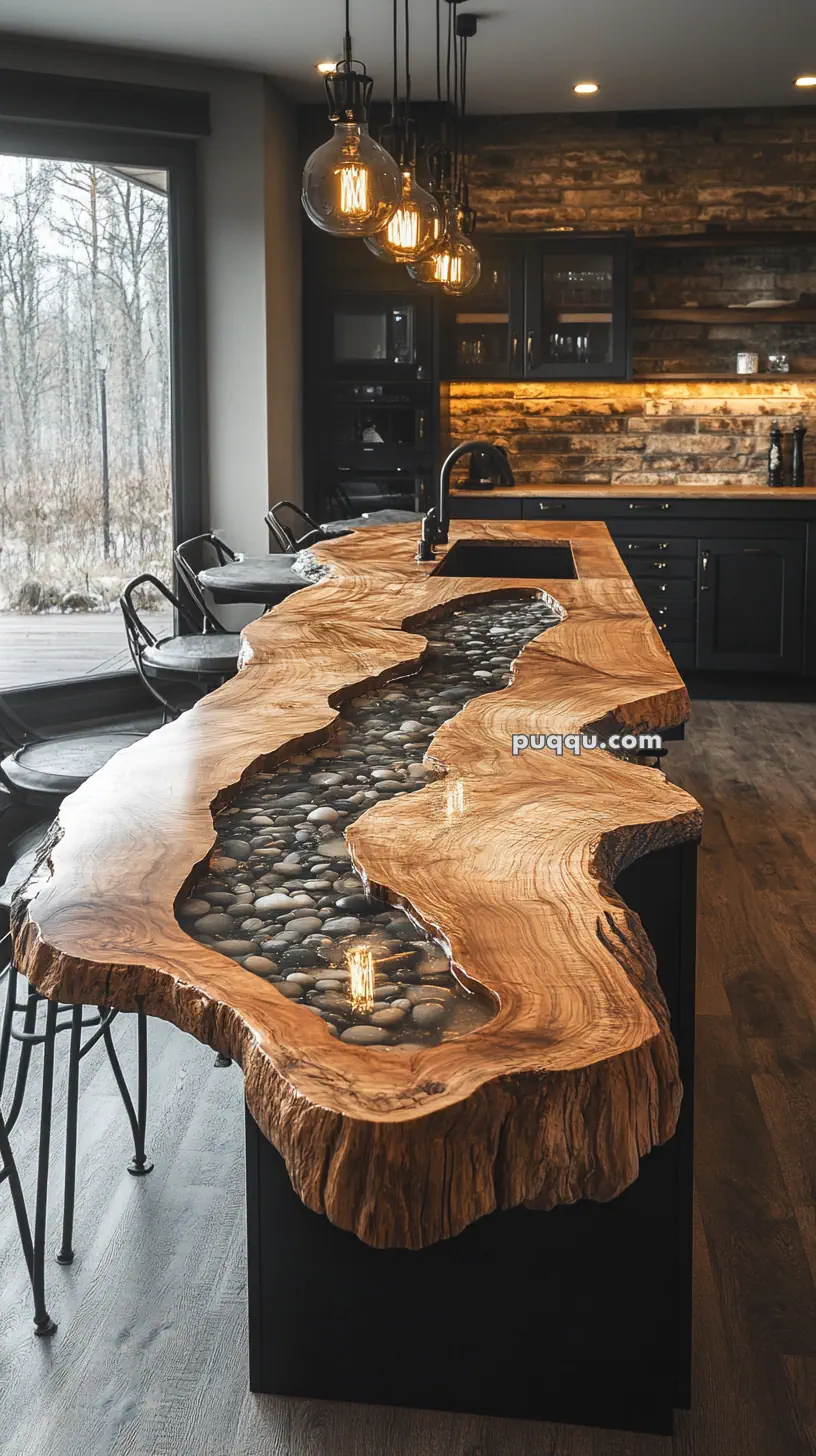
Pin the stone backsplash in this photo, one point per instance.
(651, 172)
(661, 434)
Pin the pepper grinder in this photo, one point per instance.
(798, 455)
(775, 477)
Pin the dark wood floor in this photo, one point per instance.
(150, 1357)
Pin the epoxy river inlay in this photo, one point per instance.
(279, 895)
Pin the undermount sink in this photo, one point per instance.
(505, 559)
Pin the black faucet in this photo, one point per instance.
(436, 520)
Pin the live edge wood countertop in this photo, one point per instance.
(638, 492)
(575, 1078)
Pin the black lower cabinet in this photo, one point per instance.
(751, 605)
(582, 1314)
(729, 581)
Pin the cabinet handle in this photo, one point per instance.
(530, 341)
(546, 507)
(703, 571)
(659, 565)
(422, 425)
(514, 349)
(647, 506)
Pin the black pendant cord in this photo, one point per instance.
(395, 66)
(463, 187)
(438, 57)
(407, 61)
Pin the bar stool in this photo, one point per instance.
(207, 563)
(283, 520)
(41, 771)
(59, 1017)
(203, 654)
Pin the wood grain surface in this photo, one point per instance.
(737, 491)
(575, 1078)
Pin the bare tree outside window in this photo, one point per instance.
(85, 461)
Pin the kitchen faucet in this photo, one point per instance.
(435, 522)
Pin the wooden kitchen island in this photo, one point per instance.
(447, 1206)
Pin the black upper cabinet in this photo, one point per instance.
(576, 308)
(554, 307)
(750, 605)
(483, 332)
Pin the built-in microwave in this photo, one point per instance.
(386, 336)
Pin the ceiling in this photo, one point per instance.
(644, 53)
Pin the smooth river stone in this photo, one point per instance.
(345, 925)
(194, 909)
(260, 965)
(235, 947)
(335, 849)
(366, 1035)
(326, 815)
(389, 1016)
(428, 1016)
(304, 924)
(237, 848)
(276, 901)
(215, 925)
(417, 994)
(290, 989)
(355, 904)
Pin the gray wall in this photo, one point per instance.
(250, 232)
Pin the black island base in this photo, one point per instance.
(579, 1315)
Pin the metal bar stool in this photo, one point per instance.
(203, 653)
(207, 563)
(59, 1017)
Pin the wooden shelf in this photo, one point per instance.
(794, 314)
(763, 377)
(776, 239)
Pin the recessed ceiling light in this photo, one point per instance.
(326, 67)
(588, 88)
(804, 81)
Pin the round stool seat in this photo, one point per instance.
(57, 767)
(266, 579)
(214, 653)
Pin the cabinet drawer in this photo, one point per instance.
(501, 509)
(654, 593)
(678, 617)
(661, 568)
(640, 547)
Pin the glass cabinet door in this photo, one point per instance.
(484, 328)
(576, 308)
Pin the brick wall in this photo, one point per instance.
(655, 172)
(625, 434)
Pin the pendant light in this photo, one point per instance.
(351, 186)
(454, 263)
(415, 226)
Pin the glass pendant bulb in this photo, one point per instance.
(454, 264)
(413, 229)
(351, 186)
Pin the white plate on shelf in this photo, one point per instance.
(766, 303)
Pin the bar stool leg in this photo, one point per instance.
(139, 1164)
(43, 1323)
(66, 1252)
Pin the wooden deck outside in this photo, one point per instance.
(50, 647)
